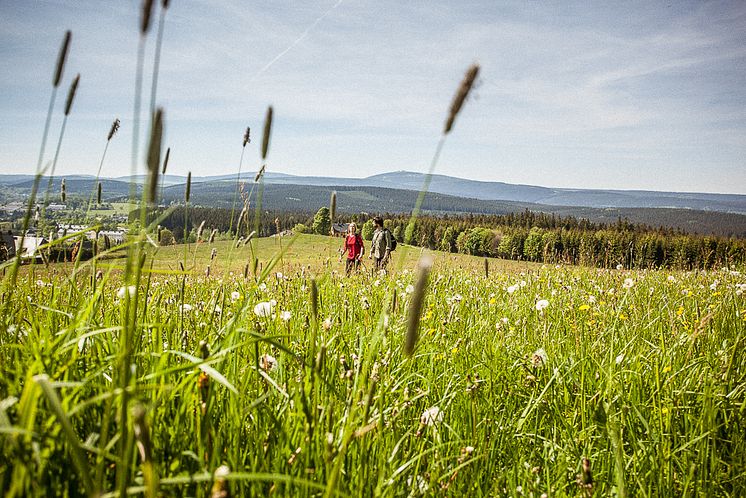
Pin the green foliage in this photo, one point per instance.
(368, 229)
(301, 228)
(448, 241)
(397, 233)
(167, 237)
(322, 222)
(533, 245)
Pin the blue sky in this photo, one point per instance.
(627, 95)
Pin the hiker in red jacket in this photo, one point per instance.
(354, 248)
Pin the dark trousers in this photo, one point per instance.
(351, 264)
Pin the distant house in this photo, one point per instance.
(339, 229)
(30, 247)
(116, 237)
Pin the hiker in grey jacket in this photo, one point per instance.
(380, 245)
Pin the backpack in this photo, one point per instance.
(393, 240)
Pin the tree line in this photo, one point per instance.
(527, 236)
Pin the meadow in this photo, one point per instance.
(526, 380)
(258, 369)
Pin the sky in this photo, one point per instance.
(619, 95)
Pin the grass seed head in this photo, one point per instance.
(154, 154)
(142, 434)
(463, 91)
(113, 130)
(71, 94)
(267, 132)
(333, 206)
(247, 136)
(199, 230)
(165, 161)
(260, 173)
(98, 195)
(188, 191)
(61, 58)
(147, 13)
(415, 305)
(314, 296)
(212, 239)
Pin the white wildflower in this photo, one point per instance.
(264, 308)
(619, 359)
(409, 289)
(185, 308)
(512, 288)
(431, 416)
(131, 290)
(235, 296)
(541, 304)
(267, 362)
(628, 283)
(285, 316)
(539, 358)
(422, 485)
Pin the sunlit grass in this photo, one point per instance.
(642, 373)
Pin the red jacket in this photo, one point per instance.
(353, 246)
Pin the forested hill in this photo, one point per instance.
(724, 215)
(473, 189)
(295, 198)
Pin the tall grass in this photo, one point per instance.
(645, 382)
(554, 381)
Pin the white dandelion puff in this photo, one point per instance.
(130, 289)
(541, 304)
(539, 358)
(431, 416)
(264, 308)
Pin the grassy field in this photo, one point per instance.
(529, 381)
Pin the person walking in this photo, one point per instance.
(381, 245)
(354, 248)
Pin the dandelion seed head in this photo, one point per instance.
(539, 358)
(431, 416)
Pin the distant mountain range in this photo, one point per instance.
(723, 214)
(460, 187)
